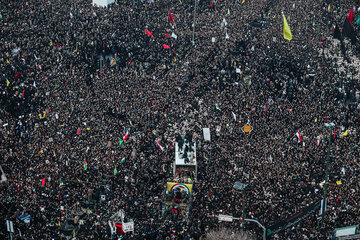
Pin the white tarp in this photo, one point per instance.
(102, 3)
(206, 132)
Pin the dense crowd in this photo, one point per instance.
(63, 117)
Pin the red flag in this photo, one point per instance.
(78, 131)
(299, 136)
(16, 75)
(57, 45)
(23, 94)
(166, 46)
(148, 32)
(167, 35)
(43, 182)
(161, 147)
(126, 136)
(350, 16)
(130, 60)
(171, 19)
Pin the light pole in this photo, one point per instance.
(241, 187)
(328, 125)
(193, 33)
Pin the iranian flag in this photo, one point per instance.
(299, 136)
(126, 135)
(161, 147)
(85, 165)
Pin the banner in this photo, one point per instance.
(206, 132)
(183, 187)
(128, 227)
(284, 224)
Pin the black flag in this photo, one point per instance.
(337, 33)
(348, 31)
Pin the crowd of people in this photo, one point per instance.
(64, 117)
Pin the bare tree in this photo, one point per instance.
(228, 234)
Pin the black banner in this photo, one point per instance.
(284, 224)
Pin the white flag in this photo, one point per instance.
(227, 36)
(174, 35)
(234, 115)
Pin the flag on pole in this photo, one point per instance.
(166, 46)
(217, 107)
(122, 160)
(161, 147)
(358, 20)
(348, 30)
(167, 35)
(345, 133)
(115, 171)
(43, 182)
(337, 33)
(121, 142)
(318, 142)
(299, 136)
(7, 82)
(171, 18)
(228, 11)
(234, 115)
(148, 33)
(286, 29)
(351, 15)
(243, 1)
(126, 135)
(85, 165)
(133, 154)
(329, 8)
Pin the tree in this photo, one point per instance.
(227, 234)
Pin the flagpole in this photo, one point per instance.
(193, 33)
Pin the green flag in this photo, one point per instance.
(122, 160)
(115, 171)
(358, 21)
(130, 122)
(120, 142)
(217, 107)
(85, 165)
(229, 11)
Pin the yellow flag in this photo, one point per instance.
(76, 50)
(338, 182)
(51, 43)
(329, 8)
(286, 30)
(243, 1)
(43, 116)
(345, 133)
(7, 61)
(59, 223)
(315, 119)
(7, 82)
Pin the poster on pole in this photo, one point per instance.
(206, 132)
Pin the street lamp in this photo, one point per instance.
(193, 33)
(328, 125)
(241, 187)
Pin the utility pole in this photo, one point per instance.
(241, 187)
(323, 209)
(193, 33)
